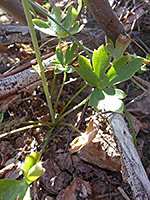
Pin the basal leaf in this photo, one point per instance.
(122, 70)
(101, 61)
(86, 72)
(12, 189)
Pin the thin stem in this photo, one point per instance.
(28, 122)
(84, 49)
(74, 108)
(67, 124)
(60, 91)
(53, 83)
(132, 128)
(20, 129)
(39, 60)
(45, 143)
(58, 118)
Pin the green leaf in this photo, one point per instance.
(75, 28)
(121, 44)
(122, 70)
(55, 29)
(101, 61)
(33, 11)
(35, 172)
(69, 69)
(47, 5)
(12, 189)
(42, 26)
(144, 68)
(107, 99)
(148, 56)
(55, 62)
(68, 19)
(30, 161)
(70, 54)
(86, 72)
(1, 117)
(60, 56)
(27, 195)
(118, 93)
(95, 98)
(112, 100)
(59, 70)
(75, 13)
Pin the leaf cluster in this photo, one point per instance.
(62, 62)
(51, 28)
(20, 189)
(103, 75)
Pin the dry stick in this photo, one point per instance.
(105, 16)
(25, 66)
(14, 8)
(132, 169)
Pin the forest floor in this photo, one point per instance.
(69, 176)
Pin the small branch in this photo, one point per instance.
(105, 16)
(132, 168)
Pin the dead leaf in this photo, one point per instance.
(78, 189)
(85, 138)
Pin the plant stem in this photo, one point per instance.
(53, 83)
(74, 108)
(45, 143)
(60, 91)
(84, 49)
(39, 60)
(21, 129)
(58, 118)
(44, 123)
(67, 124)
(132, 128)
